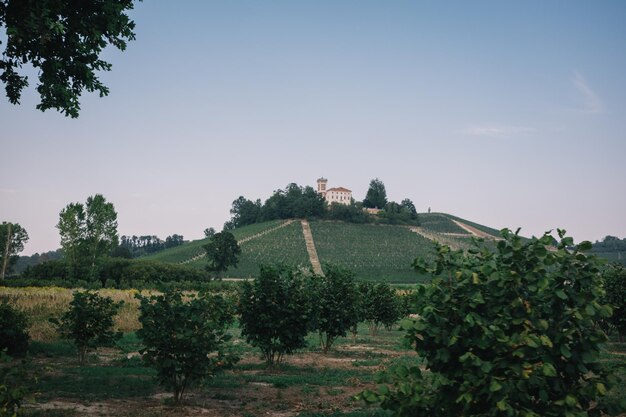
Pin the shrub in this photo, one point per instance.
(275, 312)
(615, 289)
(184, 339)
(12, 386)
(510, 333)
(335, 308)
(89, 322)
(380, 306)
(13, 331)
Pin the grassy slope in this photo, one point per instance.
(189, 250)
(373, 252)
(285, 245)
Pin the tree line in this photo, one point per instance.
(296, 201)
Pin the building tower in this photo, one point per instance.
(321, 186)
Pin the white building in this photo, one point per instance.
(339, 195)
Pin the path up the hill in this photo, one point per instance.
(310, 247)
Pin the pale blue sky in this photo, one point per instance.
(510, 114)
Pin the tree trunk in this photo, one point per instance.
(5, 258)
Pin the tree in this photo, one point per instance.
(506, 333)
(335, 310)
(380, 306)
(222, 252)
(62, 40)
(185, 339)
(275, 312)
(89, 322)
(12, 239)
(100, 228)
(376, 196)
(409, 207)
(245, 212)
(13, 331)
(209, 232)
(88, 232)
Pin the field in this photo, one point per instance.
(114, 381)
(373, 252)
(285, 245)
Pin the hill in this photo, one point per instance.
(373, 251)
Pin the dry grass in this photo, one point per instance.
(41, 303)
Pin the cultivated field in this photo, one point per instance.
(114, 382)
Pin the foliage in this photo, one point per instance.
(63, 41)
(222, 252)
(395, 213)
(380, 306)
(352, 213)
(335, 307)
(615, 289)
(12, 239)
(376, 196)
(13, 331)
(143, 245)
(12, 387)
(510, 333)
(209, 232)
(275, 312)
(184, 339)
(611, 248)
(245, 212)
(119, 273)
(24, 262)
(88, 232)
(89, 322)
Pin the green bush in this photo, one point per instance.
(510, 333)
(336, 305)
(89, 322)
(615, 289)
(13, 331)
(275, 312)
(184, 338)
(380, 306)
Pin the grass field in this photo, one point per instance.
(115, 383)
(440, 223)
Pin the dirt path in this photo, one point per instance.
(474, 231)
(242, 241)
(310, 247)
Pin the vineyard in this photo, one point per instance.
(189, 250)
(440, 223)
(284, 245)
(372, 252)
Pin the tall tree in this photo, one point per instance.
(72, 230)
(222, 252)
(376, 196)
(101, 228)
(12, 239)
(63, 40)
(87, 232)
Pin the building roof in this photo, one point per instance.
(345, 190)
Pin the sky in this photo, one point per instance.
(509, 114)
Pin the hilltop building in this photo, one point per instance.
(339, 195)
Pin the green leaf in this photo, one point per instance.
(548, 369)
(601, 388)
(565, 352)
(561, 294)
(495, 386)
